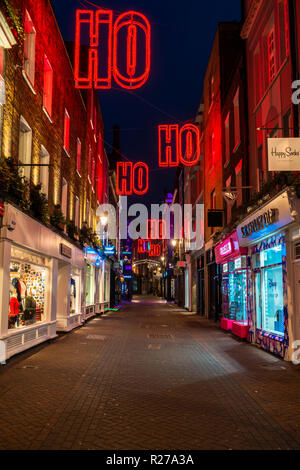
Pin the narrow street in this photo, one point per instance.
(150, 376)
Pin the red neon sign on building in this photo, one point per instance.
(132, 178)
(145, 246)
(105, 44)
(178, 145)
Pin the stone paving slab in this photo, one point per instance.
(181, 383)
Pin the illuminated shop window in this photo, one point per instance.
(29, 48)
(64, 197)
(77, 211)
(27, 291)
(269, 290)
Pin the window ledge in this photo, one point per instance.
(274, 336)
(47, 114)
(67, 153)
(27, 80)
(226, 163)
(78, 173)
(89, 180)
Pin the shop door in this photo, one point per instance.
(200, 303)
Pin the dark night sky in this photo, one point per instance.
(182, 36)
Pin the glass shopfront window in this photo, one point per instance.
(90, 284)
(28, 290)
(269, 289)
(75, 292)
(234, 290)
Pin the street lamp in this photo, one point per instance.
(104, 219)
(162, 258)
(174, 243)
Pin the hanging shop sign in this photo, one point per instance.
(284, 154)
(132, 178)
(271, 217)
(121, 50)
(65, 251)
(178, 145)
(229, 249)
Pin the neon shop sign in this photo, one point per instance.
(178, 145)
(112, 49)
(226, 248)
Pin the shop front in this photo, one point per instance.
(40, 283)
(233, 262)
(267, 234)
(97, 284)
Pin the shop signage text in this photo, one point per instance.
(65, 251)
(226, 248)
(284, 154)
(267, 218)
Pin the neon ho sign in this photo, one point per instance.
(178, 145)
(145, 246)
(106, 44)
(132, 178)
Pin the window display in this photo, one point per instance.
(75, 292)
(27, 294)
(90, 284)
(234, 290)
(269, 289)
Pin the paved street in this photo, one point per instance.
(150, 376)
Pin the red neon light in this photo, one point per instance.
(108, 55)
(192, 152)
(153, 249)
(170, 136)
(133, 21)
(124, 178)
(94, 21)
(132, 179)
(140, 178)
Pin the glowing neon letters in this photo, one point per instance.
(132, 178)
(106, 44)
(177, 146)
(145, 246)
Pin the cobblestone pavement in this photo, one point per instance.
(150, 376)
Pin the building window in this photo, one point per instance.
(87, 215)
(67, 131)
(269, 288)
(237, 123)
(93, 173)
(92, 109)
(44, 171)
(257, 79)
(25, 148)
(48, 86)
(239, 183)
(271, 55)
(92, 219)
(78, 159)
(77, 211)
(90, 164)
(29, 48)
(228, 202)
(212, 150)
(64, 197)
(227, 139)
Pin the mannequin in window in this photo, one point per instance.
(14, 309)
(30, 308)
